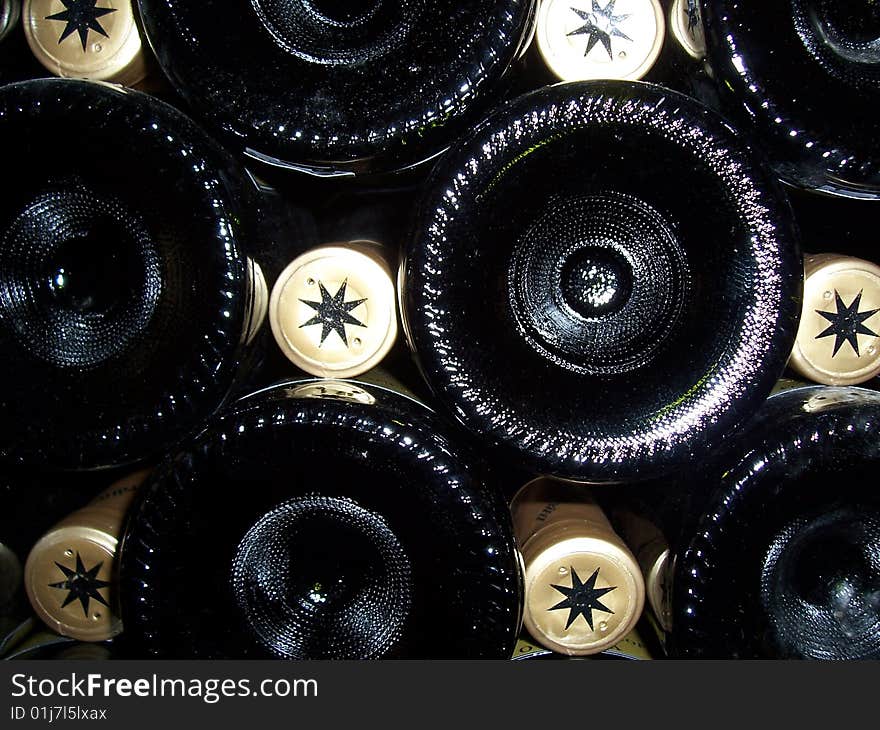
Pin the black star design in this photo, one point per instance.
(846, 323)
(601, 25)
(693, 13)
(582, 598)
(81, 584)
(333, 312)
(81, 16)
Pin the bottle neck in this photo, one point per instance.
(552, 511)
(584, 590)
(653, 554)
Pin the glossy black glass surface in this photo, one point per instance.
(372, 85)
(603, 279)
(804, 75)
(124, 292)
(321, 521)
(785, 560)
(10, 12)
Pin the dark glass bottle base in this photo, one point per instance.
(784, 561)
(321, 519)
(569, 300)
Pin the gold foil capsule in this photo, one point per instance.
(70, 574)
(654, 556)
(333, 310)
(837, 342)
(86, 39)
(584, 589)
(686, 24)
(600, 39)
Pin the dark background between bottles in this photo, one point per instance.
(305, 212)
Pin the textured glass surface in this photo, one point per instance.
(604, 279)
(123, 289)
(305, 525)
(372, 85)
(785, 559)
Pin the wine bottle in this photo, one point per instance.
(87, 39)
(337, 88)
(10, 11)
(654, 557)
(571, 305)
(71, 572)
(31, 501)
(682, 64)
(581, 40)
(321, 519)
(649, 518)
(686, 27)
(837, 340)
(782, 559)
(802, 76)
(333, 310)
(127, 298)
(583, 588)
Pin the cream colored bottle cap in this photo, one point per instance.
(584, 590)
(600, 39)
(68, 579)
(70, 573)
(584, 593)
(686, 24)
(87, 39)
(837, 342)
(333, 310)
